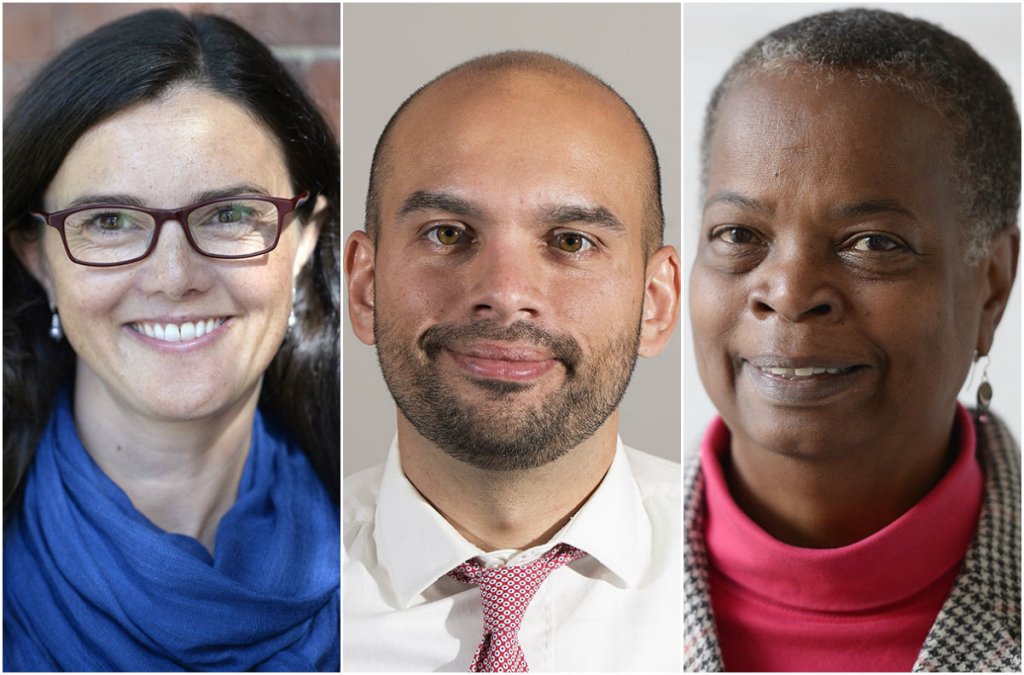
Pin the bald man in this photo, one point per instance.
(511, 271)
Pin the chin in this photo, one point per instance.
(799, 434)
(186, 403)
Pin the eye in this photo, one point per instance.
(107, 222)
(572, 242)
(733, 234)
(876, 243)
(447, 234)
(111, 220)
(232, 214)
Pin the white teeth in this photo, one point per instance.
(793, 373)
(172, 332)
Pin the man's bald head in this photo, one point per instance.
(510, 63)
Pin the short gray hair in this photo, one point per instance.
(936, 69)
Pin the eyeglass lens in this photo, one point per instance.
(238, 227)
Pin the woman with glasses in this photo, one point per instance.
(170, 358)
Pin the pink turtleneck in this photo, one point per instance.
(863, 607)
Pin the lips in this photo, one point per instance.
(799, 373)
(516, 363)
(803, 381)
(488, 350)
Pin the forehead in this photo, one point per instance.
(830, 133)
(186, 142)
(518, 138)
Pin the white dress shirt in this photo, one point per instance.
(616, 609)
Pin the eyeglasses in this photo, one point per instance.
(105, 235)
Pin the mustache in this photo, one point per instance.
(563, 347)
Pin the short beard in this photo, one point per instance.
(478, 433)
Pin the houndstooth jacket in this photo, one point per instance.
(978, 628)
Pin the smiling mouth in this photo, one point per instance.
(803, 382)
(509, 364)
(178, 332)
(802, 373)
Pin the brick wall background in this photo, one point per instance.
(305, 37)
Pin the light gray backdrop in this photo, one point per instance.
(392, 49)
(715, 34)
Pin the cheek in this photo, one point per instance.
(604, 306)
(267, 300)
(262, 286)
(716, 305)
(923, 335)
(408, 294)
(269, 287)
(88, 309)
(84, 296)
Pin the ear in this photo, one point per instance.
(28, 246)
(359, 259)
(661, 301)
(309, 236)
(999, 269)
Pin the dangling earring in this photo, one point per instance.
(56, 332)
(292, 319)
(984, 391)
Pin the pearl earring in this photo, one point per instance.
(56, 332)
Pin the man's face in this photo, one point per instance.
(509, 274)
(833, 312)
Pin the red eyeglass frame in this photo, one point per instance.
(284, 206)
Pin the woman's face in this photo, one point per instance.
(167, 154)
(831, 304)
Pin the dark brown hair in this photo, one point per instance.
(138, 58)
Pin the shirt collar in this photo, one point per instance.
(612, 526)
(414, 542)
(418, 546)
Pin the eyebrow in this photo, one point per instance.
(131, 200)
(594, 215)
(872, 207)
(426, 200)
(736, 199)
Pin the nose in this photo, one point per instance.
(174, 268)
(506, 280)
(798, 286)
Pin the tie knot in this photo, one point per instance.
(506, 591)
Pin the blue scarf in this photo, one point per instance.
(91, 584)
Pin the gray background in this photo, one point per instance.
(390, 50)
(714, 35)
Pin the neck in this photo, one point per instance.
(183, 475)
(497, 510)
(841, 499)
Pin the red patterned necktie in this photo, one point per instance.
(506, 593)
